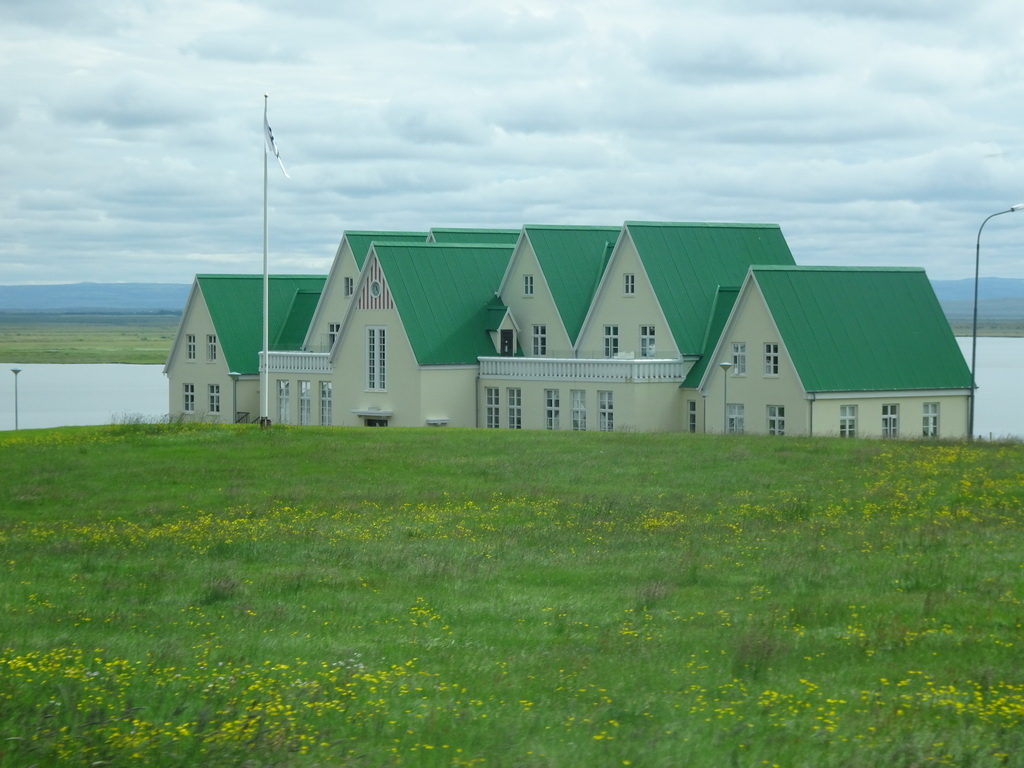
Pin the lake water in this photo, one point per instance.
(79, 395)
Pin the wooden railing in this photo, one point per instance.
(299, 362)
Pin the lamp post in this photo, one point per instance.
(974, 324)
(234, 396)
(15, 371)
(725, 395)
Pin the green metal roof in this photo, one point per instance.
(360, 241)
(863, 328)
(723, 304)
(573, 260)
(235, 303)
(444, 293)
(687, 262)
(469, 235)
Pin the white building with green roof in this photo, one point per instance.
(581, 328)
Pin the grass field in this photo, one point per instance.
(32, 338)
(225, 596)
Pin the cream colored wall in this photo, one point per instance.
(752, 325)
(333, 302)
(199, 372)
(538, 309)
(653, 407)
(403, 393)
(449, 393)
(613, 307)
(953, 411)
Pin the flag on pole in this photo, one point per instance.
(271, 144)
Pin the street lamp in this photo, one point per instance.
(974, 325)
(725, 395)
(15, 371)
(234, 396)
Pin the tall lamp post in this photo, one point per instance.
(15, 371)
(725, 395)
(974, 324)
(234, 396)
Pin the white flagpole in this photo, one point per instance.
(265, 368)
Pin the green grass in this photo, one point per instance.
(32, 338)
(200, 595)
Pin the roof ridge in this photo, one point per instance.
(708, 224)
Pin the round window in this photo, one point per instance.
(375, 288)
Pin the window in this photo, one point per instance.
(190, 346)
(333, 331)
(691, 415)
(493, 407)
(629, 284)
(376, 359)
(282, 401)
(890, 420)
(776, 420)
(739, 358)
(771, 359)
(579, 410)
(611, 340)
(515, 408)
(350, 286)
(215, 398)
(326, 415)
(189, 402)
(527, 285)
(646, 341)
(305, 402)
(605, 412)
(734, 420)
(540, 340)
(211, 348)
(847, 420)
(930, 422)
(551, 408)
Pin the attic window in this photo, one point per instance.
(527, 285)
(375, 288)
(629, 284)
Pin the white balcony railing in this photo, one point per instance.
(298, 362)
(580, 369)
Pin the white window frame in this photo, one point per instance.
(515, 407)
(776, 419)
(605, 410)
(540, 340)
(326, 403)
(691, 416)
(305, 402)
(283, 400)
(492, 397)
(190, 346)
(214, 393)
(552, 408)
(211, 348)
(647, 348)
(527, 285)
(350, 286)
(333, 332)
(734, 418)
(739, 358)
(890, 420)
(930, 420)
(188, 403)
(376, 358)
(579, 409)
(611, 340)
(847, 420)
(771, 358)
(629, 284)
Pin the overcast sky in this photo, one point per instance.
(874, 132)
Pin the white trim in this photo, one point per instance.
(885, 394)
(372, 413)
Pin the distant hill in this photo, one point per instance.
(94, 297)
(999, 298)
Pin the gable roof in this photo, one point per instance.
(470, 235)
(235, 303)
(688, 262)
(863, 328)
(360, 241)
(725, 300)
(444, 293)
(573, 260)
